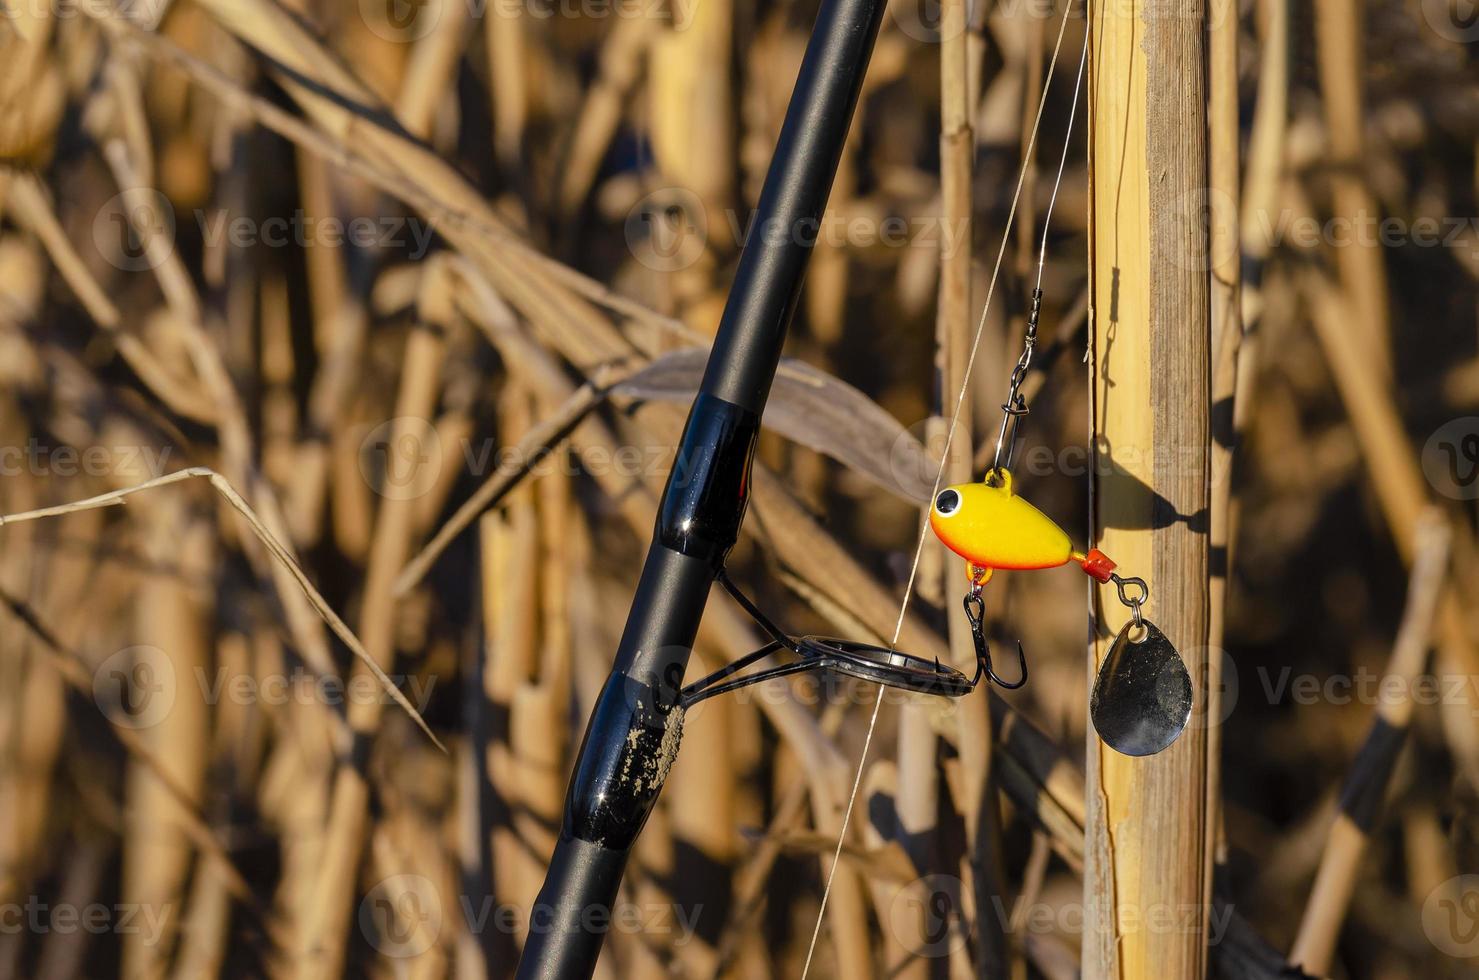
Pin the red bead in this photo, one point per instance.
(1098, 565)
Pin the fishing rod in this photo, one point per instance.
(635, 728)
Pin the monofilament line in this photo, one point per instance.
(1047, 220)
(1027, 158)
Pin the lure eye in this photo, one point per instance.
(947, 503)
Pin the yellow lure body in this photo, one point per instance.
(991, 527)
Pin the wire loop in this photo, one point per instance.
(1134, 602)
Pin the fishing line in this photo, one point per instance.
(954, 421)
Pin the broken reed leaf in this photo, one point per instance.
(814, 409)
(278, 551)
(807, 406)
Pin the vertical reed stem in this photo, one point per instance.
(1146, 824)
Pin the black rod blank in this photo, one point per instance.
(634, 730)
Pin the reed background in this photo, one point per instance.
(364, 259)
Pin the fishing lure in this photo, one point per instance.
(1142, 697)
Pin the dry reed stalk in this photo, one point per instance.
(444, 198)
(702, 820)
(1034, 34)
(69, 665)
(1147, 828)
(690, 127)
(533, 445)
(509, 541)
(348, 110)
(31, 208)
(64, 956)
(1262, 182)
(917, 803)
(1223, 236)
(917, 793)
(432, 67)
(340, 322)
(540, 717)
(829, 271)
(326, 929)
(294, 799)
(476, 955)
(33, 720)
(827, 278)
(898, 915)
(1365, 786)
(617, 74)
(1362, 269)
(507, 46)
(204, 930)
(955, 320)
(1399, 490)
(1428, 860)
(32, 89)
(404, 867)
(751, 877)
(351, 500)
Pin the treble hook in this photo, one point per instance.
(975, 611)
